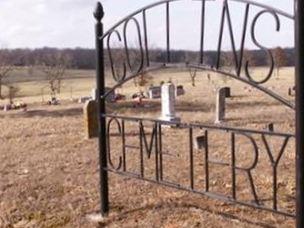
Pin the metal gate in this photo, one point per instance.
(150, 140)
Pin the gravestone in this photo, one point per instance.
(168, 103)
(220, 105)
(270, 127)
(84, 99)
(7, 107)
(179, 90)
(292, 91)
(200, 142)
(94, 94)
(227, 92)
(90, 119)
(154, 92)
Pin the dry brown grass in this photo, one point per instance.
(49, 172)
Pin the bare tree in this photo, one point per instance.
(5, 69)
(280, 58)
(54, 66)
(12, 92)
(145, 79)
(193, 76)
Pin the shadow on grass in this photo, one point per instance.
(147, 106)
(189, 106)
(48, 113)
(250, 104)
(154, 106)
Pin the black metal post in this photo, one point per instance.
(299, 47)
(101, 108)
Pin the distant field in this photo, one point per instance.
(34, 86)
(29, 74)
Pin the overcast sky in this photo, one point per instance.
(69, 23)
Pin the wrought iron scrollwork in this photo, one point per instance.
(134, 65)
(274, 163)
(118, 167)
(148, 146)
(127, 62)
(154, 146)
(247, 170)
(239, 59)
(256, 42)
(117, 78)
(141, 63)
(257, 140)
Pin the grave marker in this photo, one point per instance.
(168, 102)
(200, 142)
(292, 91)
(270, 127)
(220, 105)
(93, 94)
(154, 92)
(227, 91)
(179, 91)
(90, 119)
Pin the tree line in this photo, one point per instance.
(81, 58)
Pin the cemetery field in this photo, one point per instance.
(49, 172)
(34, 87)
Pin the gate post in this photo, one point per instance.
(101, 109)
(299, 82)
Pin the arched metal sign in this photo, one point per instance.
(152, 145)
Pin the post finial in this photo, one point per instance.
(98, 13)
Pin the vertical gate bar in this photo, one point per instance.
(219, 47)
(243, 40)
(274, 186)
(168, 31)
(299, 82)
(233, 165)
(146, 38)
(160, 152)
(231, 35)
(206, 161)
(191, 157)
(123, 146)
(101, 108)
(141, 156)
(156, 153)
(202, 32)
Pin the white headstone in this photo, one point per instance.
(6, 107)
(94, 94)
(168, 102)
(220, 105)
